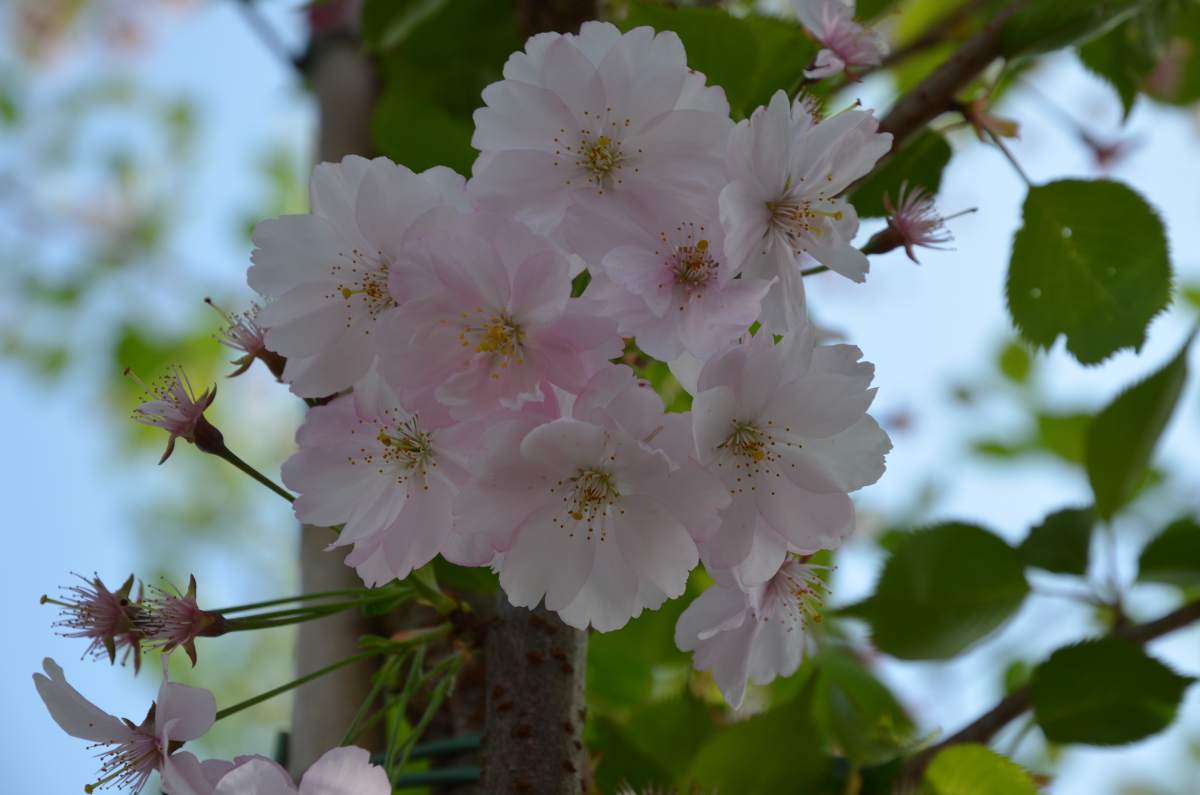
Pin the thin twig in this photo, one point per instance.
(983, 728)
(267, 34)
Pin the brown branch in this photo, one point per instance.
(983, 728)
(936, 93)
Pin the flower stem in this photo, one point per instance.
(298, 598)
(229, 456)
(417, 640)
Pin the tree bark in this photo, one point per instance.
(343, 84)
(533, 740)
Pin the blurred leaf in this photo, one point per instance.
(1015, 362)
(1089, 262)
(1060, 543)
(1016, 675)
(1045, 25)
(920, 163)
(858, 712)
(1173, 556)
(654, 746)
(436, 59)
(747, 757)
(750, 57)
(1104, 692)
(973, 769)
(1063, 435)
(942, 590)
(1119, 61)
(622, 664)
(471, 579)
(1122, 438)
(1191, 294)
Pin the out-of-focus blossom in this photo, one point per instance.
(172, 404)
(131, 751)
(848, 45)
(327, 270)
(108, 619)
(597, 117)
(786, 428)
(752, 635)
(787, 171)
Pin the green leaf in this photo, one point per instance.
(653, 746)
(1122, 438)
(435, 60)
(1090, 262)
(1045, 25)
(1116, 59)
(857, 712)
(746, 757)
(942, 590)
(1060, 543)
(1015, 362)
(1104, 692)
(972, 769)
(1173, 557)
(919, 163)
(750, 57)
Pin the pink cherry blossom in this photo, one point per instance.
(597, 117)
(243, 333)
(786, 428)
(848, 45)
(598, 521)
(174, 620)
(666, 280)
(387, 475)
(491, 324)
(787, 171)
(172, 404)
(132, 751)
(340, 771)
(108, 619)
(327, 270)
(913, 221)
(752, 635)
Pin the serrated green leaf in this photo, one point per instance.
(942, 590)
(1173, 556)
(920, 164)
(1122, 437)
(1060, 543)
(664, 735)
(972, 769)
(1089, 262)
(1104, 692)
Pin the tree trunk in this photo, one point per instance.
(343, 84)
(533, 740)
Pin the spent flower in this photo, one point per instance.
(174, 620)
(847, 44)
(108, 619)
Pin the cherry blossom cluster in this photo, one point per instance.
(477, 411)
(476, 355)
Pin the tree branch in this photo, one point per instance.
(983, 728)
(936, 93)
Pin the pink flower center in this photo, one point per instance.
(407, 446)
(795, 595)
(588, 495)
(500, 336)
(366, 277)
(693, 266)
(597, 153)
(801, 220)
(129, 764)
